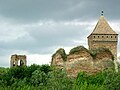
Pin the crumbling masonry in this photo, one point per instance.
(102, 52)
(18, 60)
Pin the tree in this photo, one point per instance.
(38, 78)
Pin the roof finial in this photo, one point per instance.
(102, 13)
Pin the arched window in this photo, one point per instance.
(21, 63)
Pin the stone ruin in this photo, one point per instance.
(18, 60)
(82, 59)
(103, 44)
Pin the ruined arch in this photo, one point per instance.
(18, 60)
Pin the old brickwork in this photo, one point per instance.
(18, 60)
(103, 36)
(83, 60)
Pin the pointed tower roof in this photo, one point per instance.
(103, 27)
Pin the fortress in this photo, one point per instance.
(102, 52)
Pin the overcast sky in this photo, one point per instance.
(37, 28)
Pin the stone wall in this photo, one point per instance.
(81, 59)
(104, 40)
(18, 60)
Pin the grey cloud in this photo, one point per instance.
(34, 10)
(42, 39)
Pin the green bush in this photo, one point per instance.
(45, 77)
(77, 49)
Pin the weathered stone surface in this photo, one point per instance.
(58, 58)
(18, 60)
(82, 60)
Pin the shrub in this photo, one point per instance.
(78, 49)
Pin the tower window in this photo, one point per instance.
(102, 36)
(115, 37)
(111, 36)
(94, 36)
(98, 36)
(107, 36)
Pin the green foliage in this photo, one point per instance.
(105, 80)
(58, 80)
(3, 70)
(45, 68)
(30, 69)
(38, 78)
(89, 82)
(45, 77)
(78, 49)
(112, 81)
(91, 79)
(17, 72)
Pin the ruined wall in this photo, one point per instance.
(18, 60)
(59, 58)
(81, 59)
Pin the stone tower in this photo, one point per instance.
(103, 36)
(18, 60)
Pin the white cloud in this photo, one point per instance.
(38, 59)
(116, 26)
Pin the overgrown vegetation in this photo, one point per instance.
(77, 49)
(36, 77)
(94, 52)
(45, 77)
(105, 80)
